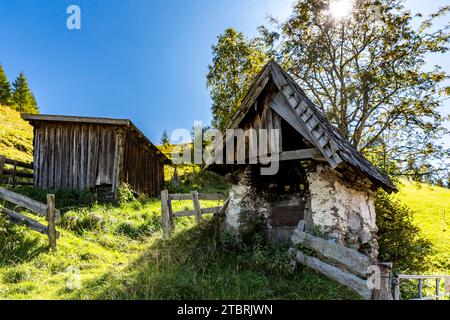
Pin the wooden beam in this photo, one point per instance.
(74, 119)
(23, 220)
(201, 196)
(30, 204)
(18, 163)
(19, 174)
(350, 259)
(349, 280)
(303, 154)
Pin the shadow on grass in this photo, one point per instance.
(17, 245)
(203, 263)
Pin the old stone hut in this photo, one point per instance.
(322, 179)
(97, 154)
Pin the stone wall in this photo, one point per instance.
(333, 208)
(342, 211)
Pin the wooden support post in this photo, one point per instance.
(396, 284)
(2, 165)
(165, 214)
(197, 208)
(420, 287)
(438, 284)
(383, 292)
(171, 217)
(51, 229)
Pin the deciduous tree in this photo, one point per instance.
(236, 61)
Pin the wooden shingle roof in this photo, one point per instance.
(315, 127)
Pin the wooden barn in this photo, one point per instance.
(97, 154)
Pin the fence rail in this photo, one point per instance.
(168, 216)
(48, 210)
(13, 170)
(438, 294)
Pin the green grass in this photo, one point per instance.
(119, 253)
(432, 215)
(16, 136)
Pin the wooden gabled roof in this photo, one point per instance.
(36, 118)
(292, 104)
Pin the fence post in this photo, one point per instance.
(198, 209)
(384, 290)
(396, 284)
(171, 217)
(14, 175)
(165, 213)
(2, 165)
(438, 284)
(51, 229)
(420, 288)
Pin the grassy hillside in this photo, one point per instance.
(16, 136)
(432, 215)
(119, 254)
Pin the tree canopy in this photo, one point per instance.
(235, 63)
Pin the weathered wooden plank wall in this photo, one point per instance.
(73, 156)
(263, 118)
(143, 170)
(81, 156)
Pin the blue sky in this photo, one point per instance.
(145, 60)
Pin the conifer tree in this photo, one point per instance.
(5, 88)
(22, 97)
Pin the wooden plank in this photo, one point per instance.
(299, 154)
(51, 229)
(197, 208)
(18, 174)
(30, 204)
(201, 196)
(350, 259)
(349, 280)
(186, 213)
(2, 165)
(211, 210)
(278, 104)
(18, 163)
(23, 220)
(73, 119)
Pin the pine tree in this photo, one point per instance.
(165, 139)
(22, 97)
(5, 88)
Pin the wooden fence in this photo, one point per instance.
(15, 172)
(343, 265)
(168, 216)
(45, 210)
(420, 279)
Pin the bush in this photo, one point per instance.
(400, 240)
(125, 194)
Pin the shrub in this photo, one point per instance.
(400, 240)
(125, 194)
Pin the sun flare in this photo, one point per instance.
(339, 9)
